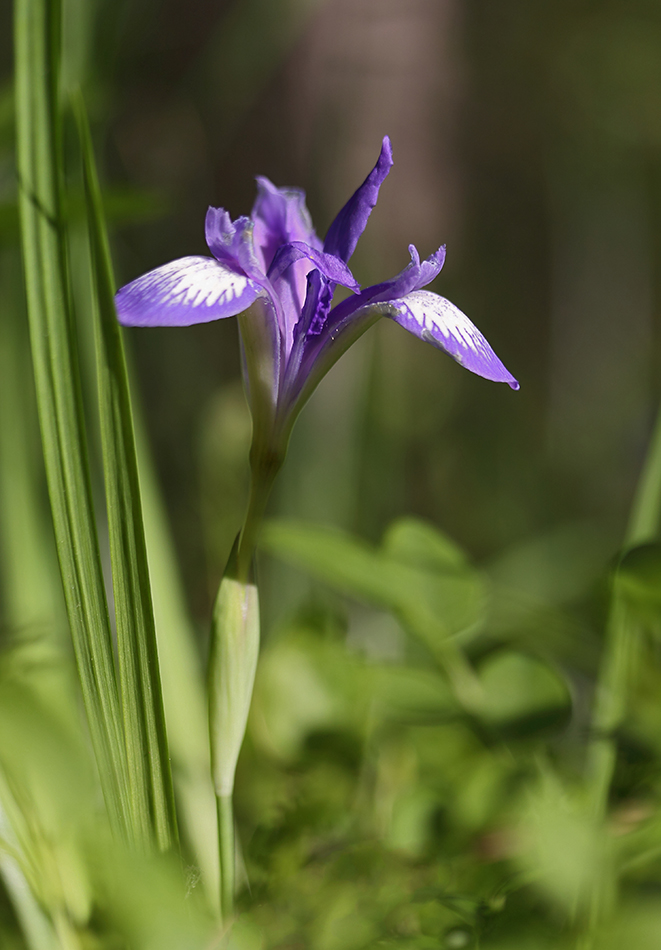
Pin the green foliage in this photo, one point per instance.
(421, 768)
(149, 777)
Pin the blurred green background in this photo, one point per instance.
(527, 137)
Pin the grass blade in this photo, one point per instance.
(58, 393)
(150, 780)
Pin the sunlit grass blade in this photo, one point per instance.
(150, 779)
(32, 603)
(57, 385)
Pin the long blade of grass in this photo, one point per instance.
(36, 25)
(184, 695)
(150, 779)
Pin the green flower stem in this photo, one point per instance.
(264, 471)
(232, 665)
(225, 813)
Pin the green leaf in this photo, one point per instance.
(420, 544)
(520, 687)
(638, 581)
(150, 780)
(58, 387)
(431, 604)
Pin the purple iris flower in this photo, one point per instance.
(273, 265)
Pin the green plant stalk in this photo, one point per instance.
(184, 693)
(36, 26)
(225, 813)
(231, 676)
(150, 779)
(623, 640)
(622, 637)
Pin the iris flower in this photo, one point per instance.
(274, 273)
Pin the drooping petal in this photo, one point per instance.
(231, 242)
(280, 217)
(414, 276)
(186, 291)
(437, 321)
(350, 223)
(330, 266)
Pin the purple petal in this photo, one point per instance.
(280, 217)
(231, 242)
(189, 290)
(414, 276)
(329, 265)
(349, 224)
(431, 268)
(437, 321)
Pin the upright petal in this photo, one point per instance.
(231, 242)
(280, 217)
(349, 224)
(186, 291)
(437, 321)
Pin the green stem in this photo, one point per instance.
(261, 482)
(646, 508)
(622, 637)
(617, 665)
(225, 814)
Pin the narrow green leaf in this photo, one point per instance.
(57, 385)
(184, 693)
(150, 779)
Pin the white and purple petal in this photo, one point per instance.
(350, 223)
(437, 321)
(186, 291)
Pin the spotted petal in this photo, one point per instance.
(437, 321)
(186, 291)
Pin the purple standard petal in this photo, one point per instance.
(189, 290)
(349, 224)
(437, 321)
(280, 217)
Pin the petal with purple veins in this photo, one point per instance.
(350, 223)
(186, 291)
(280, 216)
(231, 242)
(330, 266)
(437, 321)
